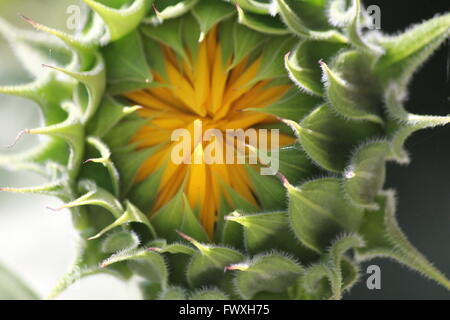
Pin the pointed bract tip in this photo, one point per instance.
(184, 236)
(156, 10)
(55, 209)
(236, 267)
(232, 216)
(17, 138)
(94, 237)
(285, 181)
(324, 66)
(293, 125)
(154, 249)
(48, 66)
(28, 20)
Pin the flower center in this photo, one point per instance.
(203, 91)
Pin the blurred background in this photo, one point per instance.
(38, 244)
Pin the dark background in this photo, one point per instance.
(423, 187)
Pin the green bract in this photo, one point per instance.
(310, 234)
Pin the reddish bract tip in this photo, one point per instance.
(16, 139)
(283, 179)
(184, 236)
(47, 66)
(156, 10)
(54, 209)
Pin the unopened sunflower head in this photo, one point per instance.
(226, 149)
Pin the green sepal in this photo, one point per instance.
(177, 255)
(255, 6)
(227, 40)
(262, 23)
(72, 132)
(298, 26)
(261, 229)
(31, 48)
(191, 224)
(245, 41)
(406, 52)
(178, 215)
(365, 175)
(206, 267)
(95, 196)
(210, 13)
(273, 272)
(270, 229)
(55, 188)
(295, 165)
(119, 137)
(171, 11)
(105, 160)
(89, 92)
(355, 34)
(120, 21)
(170, 217)
(131, 214)
(145, 193)
(109, 113)
(48, 92)
(328, 138)
(272, 54)
(148, 264)
(336, 253)
(84, 47)
(119, 241)
(239, 202)
(319, 212)
(126, 65)
(335, 268)
(294, 105)
(169, 33)
(398, 152)
(231, 233)
(347, 99)
(341, 12)
(128, 163)
(268, 189)
(303, 64)
(87, 263)
(172, 248)
(149, 290)
(228, 233)
(407, 123)
(155, 56)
